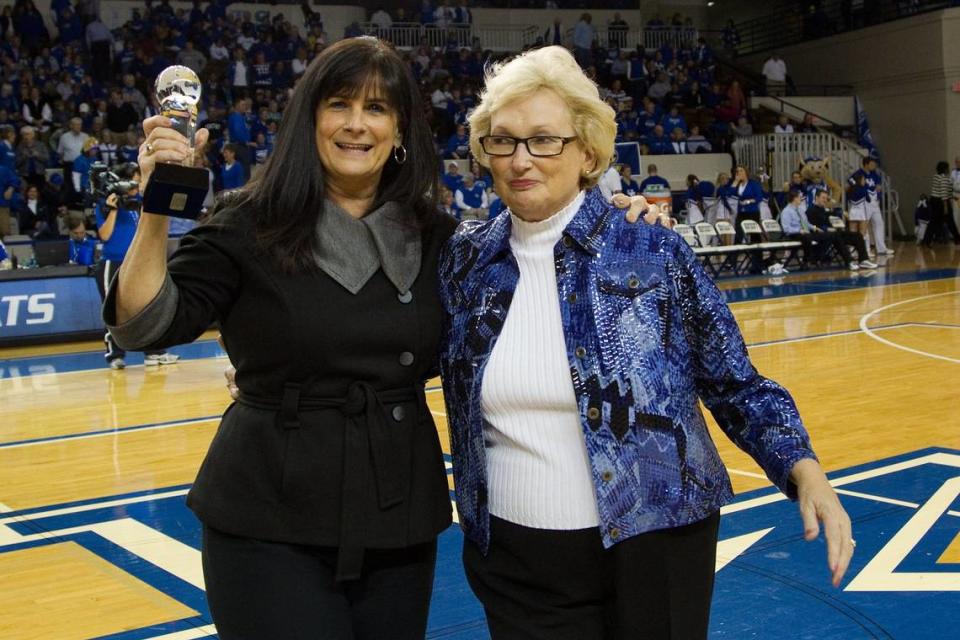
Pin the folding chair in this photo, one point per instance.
(687, 233)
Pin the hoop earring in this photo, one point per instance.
(396, 156)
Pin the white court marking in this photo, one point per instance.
(870, 332)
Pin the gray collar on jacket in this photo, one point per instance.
(351, 250)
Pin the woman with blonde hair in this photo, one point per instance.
(578, 348)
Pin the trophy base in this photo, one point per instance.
(176, 191)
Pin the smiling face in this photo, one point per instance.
(536, 188)
(355, 137)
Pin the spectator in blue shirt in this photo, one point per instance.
(261, 151)
(653, 180)
(8, 153)
(458, 145)
(81, 167)
(231, 175)
(628, 185)
(82, 246)
(658, 143)
(674, 120)
(583, 37)
(749, 194)
(452, 178)
(648, 119)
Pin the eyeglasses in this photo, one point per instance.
(538, 146)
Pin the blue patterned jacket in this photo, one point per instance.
(648, 334)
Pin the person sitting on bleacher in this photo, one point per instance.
(82, 246)
(452, 178)
(628, 185)
(697, 190)
(749, 194)
(471, 199)
(658, 143)
(817, 217)
(35, 218)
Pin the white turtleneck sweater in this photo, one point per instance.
(537, 466)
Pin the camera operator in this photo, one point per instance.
(117, 211)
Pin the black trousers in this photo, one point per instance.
(839, 240)
(258, 590)
(940, 215)
(536, 584)
(104, 272)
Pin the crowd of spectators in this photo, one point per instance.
(78, 95)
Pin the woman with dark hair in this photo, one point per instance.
(941, 192)
(324, 490)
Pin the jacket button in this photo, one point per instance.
(406, 358)
(614, 533)
(593, 413)
(580, 352)
(633, 283)
(398, 413)
(406, 297)
(607, 476)
(567, 241)
(572, 298)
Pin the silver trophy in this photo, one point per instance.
(178, 190)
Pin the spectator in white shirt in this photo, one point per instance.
(472, 201)
(696, 141)
(783, 124)
(381, 19)
(219, 52)
(610, 183)
(775, 71)
(444, 15)
(955, 177)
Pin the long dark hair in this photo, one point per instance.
(288, 196)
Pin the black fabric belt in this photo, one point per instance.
(368, 436)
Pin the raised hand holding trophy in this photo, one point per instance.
(178, 190)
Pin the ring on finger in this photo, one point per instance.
(853, 543)
(149, 148)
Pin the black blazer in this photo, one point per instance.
(331, 442)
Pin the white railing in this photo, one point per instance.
(618, 39)
(506, 37)
(496, 37)
(608, 38)
(781, 154)
(656, 37)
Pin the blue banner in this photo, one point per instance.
(864, 137)
(48, 306)
(628, 153)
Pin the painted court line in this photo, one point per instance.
(870, 332)
(159, 549)
(881, 572)
(109, 432)
(845, 492)
(188, 634)
(119, 502)
(946, 459)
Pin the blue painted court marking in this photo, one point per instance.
(775, 581)
(107, 432)
(879, 279)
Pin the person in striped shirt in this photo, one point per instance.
(941, 192)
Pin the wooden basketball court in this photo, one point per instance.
(94, 463)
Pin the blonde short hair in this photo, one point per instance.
(551, 68)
